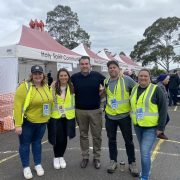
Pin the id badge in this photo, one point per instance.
(46, 110)
(139, 114)
(61, 109)
(114, 104)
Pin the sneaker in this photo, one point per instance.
(62, 162)
(112, 167)
(162, 136)
(97, 163)
(56, 163)
(27, 173)
(39, 170)
(133, 169)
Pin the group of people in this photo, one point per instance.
(170, 85)
(77, 99)
(171, 82)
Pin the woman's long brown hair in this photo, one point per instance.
(58, 83)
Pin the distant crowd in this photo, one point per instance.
(170, 81)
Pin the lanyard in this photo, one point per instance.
(142, 97)
(41, 94)
(115, 88)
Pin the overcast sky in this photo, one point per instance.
(113, 24)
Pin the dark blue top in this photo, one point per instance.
(86, 90)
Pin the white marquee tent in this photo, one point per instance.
(124, 61)
(26, 47)
(108, 56)
(98, 63)
(131, 64)
(85, 51)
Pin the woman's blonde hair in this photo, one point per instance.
(44, 81)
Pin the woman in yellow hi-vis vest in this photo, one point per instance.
(148, 113)
(62, 122)
(32, 109)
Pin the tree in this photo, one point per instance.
(159, 44)
(62, 24)
(156, 72)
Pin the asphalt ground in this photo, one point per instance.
(165, 157)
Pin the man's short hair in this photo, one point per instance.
(113, 62)
(84, 57)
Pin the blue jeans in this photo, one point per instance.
(32, 133)
(146, 138)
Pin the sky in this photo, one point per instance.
(113, 24)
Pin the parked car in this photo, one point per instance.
(154, 79)
(178, 96)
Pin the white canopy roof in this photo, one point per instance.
(85, 51)
(80, 50)
(34, 44)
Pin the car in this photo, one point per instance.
(178, 96)
(154, 79)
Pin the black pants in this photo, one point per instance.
(173, 97)
(61, 137)
(126, 129)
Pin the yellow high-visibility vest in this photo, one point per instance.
(68, 105)
(150, 111)
(122, 98)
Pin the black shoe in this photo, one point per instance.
(84, 163)
(162, 136)
(97, 163)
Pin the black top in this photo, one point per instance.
(174, 81)
(86, 90)
(157, 98)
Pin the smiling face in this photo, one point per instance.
(37, 78)
(84, 65)
(144, 78)
(63, 78)
(113, 71)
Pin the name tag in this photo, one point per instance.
(114, 104)
(61, 109)
(139, 114)
(46, 110)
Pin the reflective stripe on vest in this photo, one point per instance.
(150, 110)
(121, 96)
(68, 111)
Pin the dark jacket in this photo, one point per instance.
(174, 81)
(51, 126)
